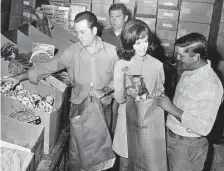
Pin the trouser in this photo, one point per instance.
(73, 163)
(123, 164)
(186, 153)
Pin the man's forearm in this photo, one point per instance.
(23, 76)
(176, 112)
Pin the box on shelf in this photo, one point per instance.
(25, 135)
(167, 44)
(51, 121)
(126, 2)
(166, 24)
(24, 153)
(196, 12)
(168, 14)
(151, 22)
(102, 1)
(60, 3)
(103, 19)
(204, 1)
(188, 27)
(169, 3)
(147, 3)
(100, 8)
(81, 1)
(166, 34)
(146, 11)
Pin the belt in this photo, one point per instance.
(176, 136)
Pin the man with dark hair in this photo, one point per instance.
(193, 111)
(90, 66)
(118, 14)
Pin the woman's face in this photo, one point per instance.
(141, 46)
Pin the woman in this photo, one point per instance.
(138, 78)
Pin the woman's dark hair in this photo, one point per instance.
(87, 15)
(133, 31)
(194, 43)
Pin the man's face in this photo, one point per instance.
(84, 33)
(141, 46)
(117, 19)
(187, 61)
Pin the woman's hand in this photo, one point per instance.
(13, 79)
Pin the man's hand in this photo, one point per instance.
(164, 102)
(132, 92)
(156, 93)
(98, 93)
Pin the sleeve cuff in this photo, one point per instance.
(32, 74)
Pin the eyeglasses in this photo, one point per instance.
(78, 33)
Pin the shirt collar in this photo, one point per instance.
(100, 45)
(203, 68)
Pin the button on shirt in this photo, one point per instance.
(78, 62)
(198, 94)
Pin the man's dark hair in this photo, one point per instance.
(194, 43)
(133, 31)
(88, 16)
(119, 6)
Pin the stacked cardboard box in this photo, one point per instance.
(220, 40)
(167, 23)
(146, 11)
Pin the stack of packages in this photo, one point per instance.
(220, 43)
(195, 16)
(146, 11)
(100, 8)
(166, 27)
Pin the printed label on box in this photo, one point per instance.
(168, 3)
(101, 18)
(165, 44)
(168, 14)
(26, 2)
(185, 11)
(124, 1)
(167, 25)
(148, 2)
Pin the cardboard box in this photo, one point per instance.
(169, 3)
(126, 2)
(51, 121)
(81, 1)
(147, 3)
(222, 17)
(220, 50)
(168, 14)
(21, 133)
(103, 19)
(220, 40)
(204, 1)
(166, 24)
(166, 34)
(100, 8)
(151, 22)
(31, 3)
(27, 156)
(102, 1)
(167, 44)
(146, 11)
(187, 27)
(196, 12)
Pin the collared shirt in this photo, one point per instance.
(198, 94)
(109, 36)
(82, 67)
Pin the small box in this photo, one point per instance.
(146, 11)
(188, 27)
(204, 1)
(24, 134)
(222, 17)
(166, 34)
(168, 14)
(24, 153)
(100, 8)
(220, 50)
(103, 19)
(169, 3)
(81, 1)
(166, 24)
(147, 3)
(102, 1)
(167, 44)
(126, 2)
(151, 22)
(196, 12)
(220, 40)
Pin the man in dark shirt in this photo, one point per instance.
(118, 14)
